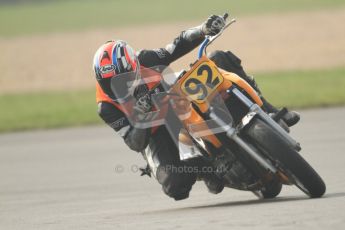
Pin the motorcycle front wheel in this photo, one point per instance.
(274, 146)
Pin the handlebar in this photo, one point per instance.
(209, 39)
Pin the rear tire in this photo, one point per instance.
(277, 149)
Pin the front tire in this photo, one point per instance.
(276, 148)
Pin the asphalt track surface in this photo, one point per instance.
(85, 178)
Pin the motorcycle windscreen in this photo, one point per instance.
(123, 85)
(129, 87)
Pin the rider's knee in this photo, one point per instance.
(224, 58)
(176, 182)
(229, 62)
(216, 53)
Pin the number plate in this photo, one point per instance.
(202, 82)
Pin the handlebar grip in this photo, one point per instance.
(225, 16)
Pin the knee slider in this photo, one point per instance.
(176, 184)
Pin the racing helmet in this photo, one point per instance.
(116, 67)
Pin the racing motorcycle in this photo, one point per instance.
(223, 124)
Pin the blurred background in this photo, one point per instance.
(295, 49)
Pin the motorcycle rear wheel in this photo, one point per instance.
(271, 190)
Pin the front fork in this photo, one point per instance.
(254, 108)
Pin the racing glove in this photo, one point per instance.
(143, 107)
(213, 25)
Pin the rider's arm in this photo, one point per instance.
(136, 139)
(183, 44)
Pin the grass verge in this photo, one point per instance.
(304, 89)
(299, 89)
(70, 15)
(47, 110)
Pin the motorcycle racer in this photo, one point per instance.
(117, 57)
